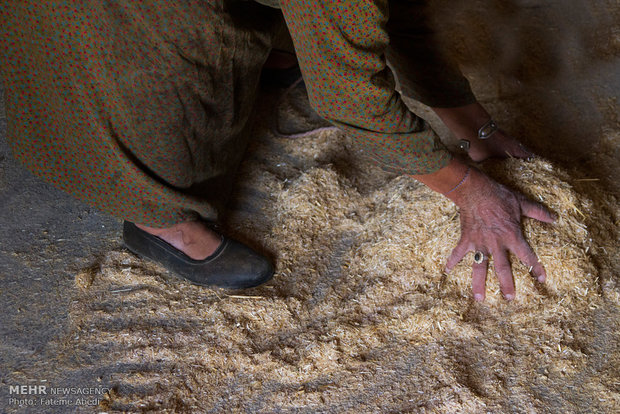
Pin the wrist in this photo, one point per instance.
(447, 180)
(456, 187)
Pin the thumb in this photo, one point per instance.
(537, 211)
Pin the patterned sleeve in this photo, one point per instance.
(341, 48)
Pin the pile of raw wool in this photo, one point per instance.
(360, 316)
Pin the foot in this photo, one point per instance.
(232, 265)
(193, 238)
(280, 70)
(280, 60)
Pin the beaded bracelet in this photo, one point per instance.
(461, 182)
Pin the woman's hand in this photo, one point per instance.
(465, 121)
(491, 224)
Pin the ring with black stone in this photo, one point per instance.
(478, 257)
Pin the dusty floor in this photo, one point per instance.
(359, 316)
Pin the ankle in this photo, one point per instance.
(191, 237)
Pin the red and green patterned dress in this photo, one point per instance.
(141, 108)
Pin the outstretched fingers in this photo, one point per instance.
(529, 258)
(536, 211)
(457, 254)
(504, 273)
(479, 279)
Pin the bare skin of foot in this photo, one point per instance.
(191, 237)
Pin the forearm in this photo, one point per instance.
(340, 46)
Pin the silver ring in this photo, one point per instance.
(478, 257)
(487, 130)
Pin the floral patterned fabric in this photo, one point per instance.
(141, 108)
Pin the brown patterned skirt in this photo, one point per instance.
(139, 108)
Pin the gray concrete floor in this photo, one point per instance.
(46, 236)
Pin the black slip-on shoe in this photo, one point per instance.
(233, 265)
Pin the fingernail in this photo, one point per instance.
(542, 278)
(509, 296)
(530, 159)
(478, 297)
